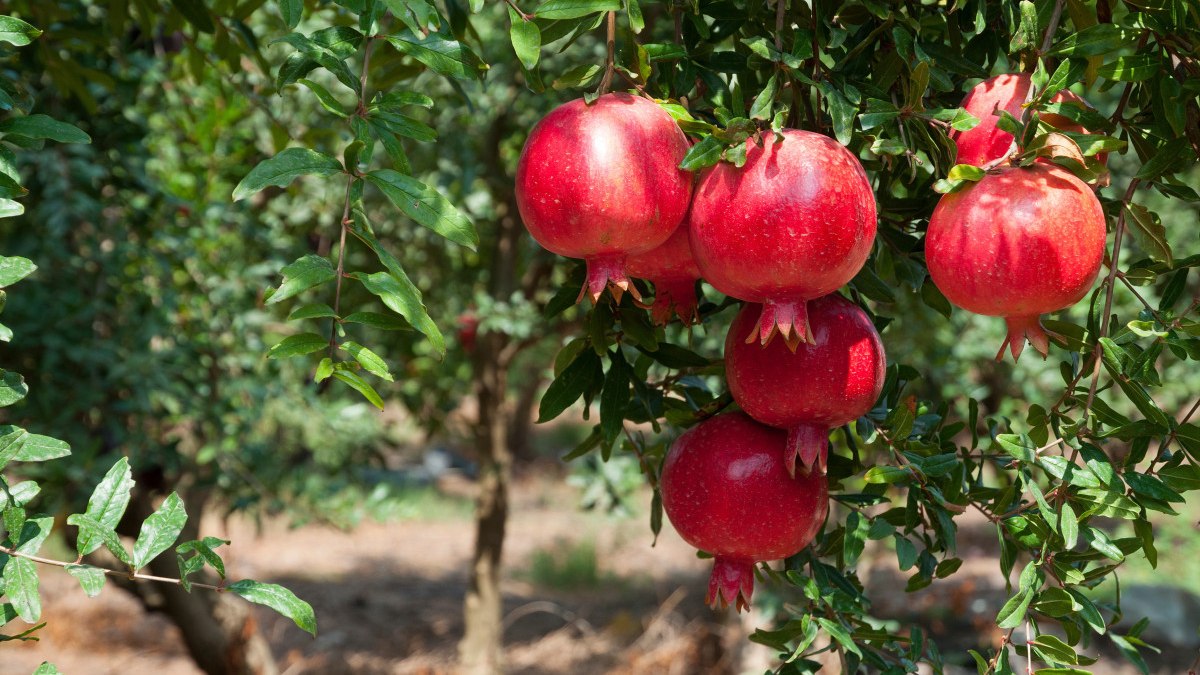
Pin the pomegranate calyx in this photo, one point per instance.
(789, 319)
(674, 296)
(808, 443)
(731, 583)
(607, 271)
(1020, 329)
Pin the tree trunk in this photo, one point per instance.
(219, 629)
(482, 645)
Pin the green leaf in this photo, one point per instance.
(368, 359)
(838, 632)
(159, 531)
(90, 578)
(361, 386)
(34, 532)
(761, 108)
(1013, 612)
(279, 599)
(298, 345)
(1098, 540)
(887, 474)
(704, 154)
(426, 206)
(1055, 602)
(10, 209)
(614, 396)
(1094, 40)
(966, 172)
(16, 32)
(317, 310)
(12, 388)
(106, 506)
(305, 273)
(442, 55)
(574, 9)
(38, 448)
(1069, 526)
(14, 269)
(284, 168)
(1133, 68)
(21, 588)
(402, 297)
(578, 377)
(579, 76)
(204, 549)
(292, 11)
(526, 39)
(855, 539)
(43, 127)
(326, 99)
(378, 320)
(47, 668)
(1149, 232)
(1053, 649)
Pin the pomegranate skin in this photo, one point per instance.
(796, 222)
(726, 491)
(987, 142)
(1019, 243)
(673, 272)
(601, 181)
(826, 383)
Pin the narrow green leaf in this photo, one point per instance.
(838, 632)
(361, 386)
(1013, 612)
(578, 377)
(16, 32)
(159, 531)
(298, 345)
(326, 99)
(426, 206)
(369, 360)
(402, 297)
(14, 269)
(196, 13)
(307, 272)
(377, 320)
(317, 310)
(704, 154)
(1069, 526)
(1149, 232)
(441, 54)
(34, 532)
(574, 9)
(292, 11)
(279, 599)
(90, 578)
(106, 506)
(12, 388)
(38, 448)
(284, 168)
(43, 127)
(21, 588)
(887, 474)
(526, 39)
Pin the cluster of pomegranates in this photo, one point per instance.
(783, 232)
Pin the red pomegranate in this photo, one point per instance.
(828, 382)
(986, 142)
(601, 181)
(1019, 243)
(795, 223)
(726, 490)
(673, 272)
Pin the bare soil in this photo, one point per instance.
(388, 598)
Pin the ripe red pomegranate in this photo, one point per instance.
(601, 181)
(828, 382)
(673, 272)
(795, 223)
(1019, 243)
(726, 491)
(986, 142)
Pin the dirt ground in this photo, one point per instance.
(388, 601)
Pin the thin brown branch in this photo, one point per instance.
(610, 43)
(523, 15)
(133, 576)
(780, 13)
(1052, 28)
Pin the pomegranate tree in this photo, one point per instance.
(986, 142)
(830, 381)
(673, 272)
(796, 222)
(601, 182)
(726, 490)
(1022, 242)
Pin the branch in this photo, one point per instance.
(610, 43)
(133, 576)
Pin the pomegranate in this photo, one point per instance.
(795, 223)
(673, 272)
(986, 142)
(1019, 243)
(601, 181)
(726, 491)
(828, 382)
